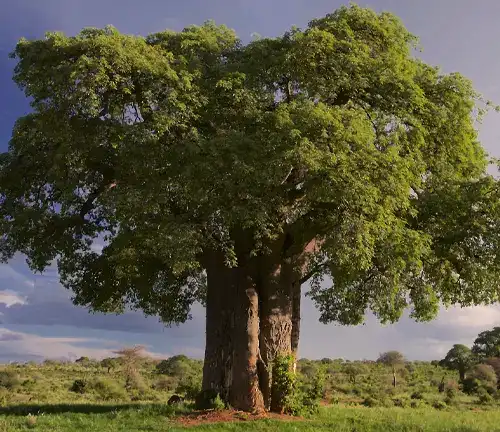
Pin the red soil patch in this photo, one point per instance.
(206, 417)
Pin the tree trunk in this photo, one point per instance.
(462, 375)
(245, 393)
(394, 382)
(253, 316)
(296, 299)
(217, 368)
(276, 331)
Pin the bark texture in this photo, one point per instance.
(218, 365)
(253, 316)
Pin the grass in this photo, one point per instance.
(38, 398)
(156, 418)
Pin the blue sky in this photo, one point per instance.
(37, 318)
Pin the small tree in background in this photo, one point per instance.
(132, 357)
(487, 343)
(110, 363)
(459, 358)
(395, 360)
(353, 370)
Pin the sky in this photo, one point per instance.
(37, 318)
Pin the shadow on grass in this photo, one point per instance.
(159, 409)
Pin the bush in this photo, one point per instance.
(190, 387)
(9, 380)
(371, 402)
(400, 402)
(439, 405)
(417, 403)
(108, 389)
(78, 386)
(451, 393)
(470, 385)
(285, 384)
(484, 398)
(209, 399)
(417, 395)
(165, 384)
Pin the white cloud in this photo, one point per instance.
(10, 298)
(475, 317)
(26, 345)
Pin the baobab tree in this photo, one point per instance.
(233, 174)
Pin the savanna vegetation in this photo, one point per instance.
(133, 392)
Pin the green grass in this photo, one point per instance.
(156, 418)
(38, 398)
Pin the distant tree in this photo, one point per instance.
(481, 375)
(177, 366)
(487, 344)
(132, 357)
(110, 363)
(353, 370)
(395, 360)
(459, 358)
(494, 362)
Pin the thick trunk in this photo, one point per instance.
(217, 368)
(253, 316)
(276, 330)
(245, 393)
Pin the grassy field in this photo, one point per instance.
(159, 418)
(357, 397)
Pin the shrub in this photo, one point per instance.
(371, 402)
(417, 403)
(9, 380)
(78, 386)
(190, 387)
(470, 385)
(400, 402)
(285, 384)
(451, 393)
(209, 399)
(108, 389)
(440, 405)
(165, 383)
(417, 395)
(484, 398)
(481, 375)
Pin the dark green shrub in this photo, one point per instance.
(470, 385)
(78, 386)
(190, 387)
(285, 385)
(9, 380)
(417, 395)
(439, 405)
(208, 399)
(371, 402)
(400, 402)
(484, 397)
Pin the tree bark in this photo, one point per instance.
(245, 393)
(218, 365)
(296, 299)
(277, 329)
